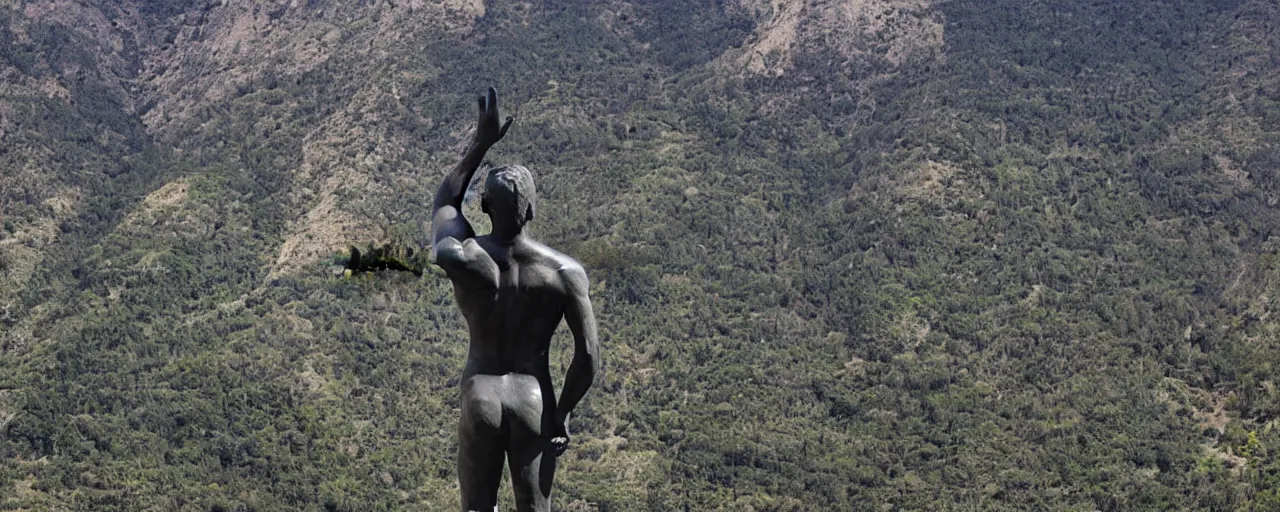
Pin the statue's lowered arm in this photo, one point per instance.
(586, 351)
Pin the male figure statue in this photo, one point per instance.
(513, 292)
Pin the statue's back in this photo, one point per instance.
(512, 320)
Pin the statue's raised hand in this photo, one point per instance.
(488, 131)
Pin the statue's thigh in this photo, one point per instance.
(533, 466)
(481, 444)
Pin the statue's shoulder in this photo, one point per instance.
(567, 267)
(466, 263)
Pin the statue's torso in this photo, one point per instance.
(512, 320)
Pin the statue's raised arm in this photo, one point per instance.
(446, 219)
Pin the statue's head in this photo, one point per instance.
(509, 198)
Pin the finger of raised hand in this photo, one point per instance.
(505, 125)
(493, 99)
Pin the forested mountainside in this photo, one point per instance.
(859, 254)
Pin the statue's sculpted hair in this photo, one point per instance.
(513, 184)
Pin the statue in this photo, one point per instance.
(513, 291)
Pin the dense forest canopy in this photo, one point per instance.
(879, 254)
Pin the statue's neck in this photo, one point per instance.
(507, 237)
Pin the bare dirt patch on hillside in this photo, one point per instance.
(892, 31)
(220, 52)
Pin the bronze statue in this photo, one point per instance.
(513, 292)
